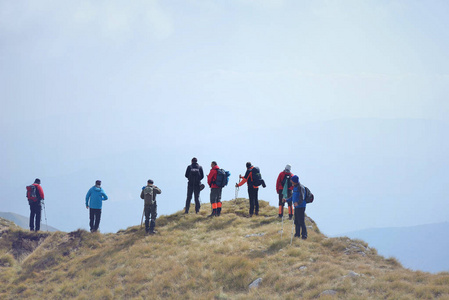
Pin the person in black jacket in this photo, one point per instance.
(194, 174)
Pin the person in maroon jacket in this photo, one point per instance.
(282, 182)
(35, 206)
(215, 190)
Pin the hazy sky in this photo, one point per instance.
(353, 94)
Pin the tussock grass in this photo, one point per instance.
(195, 257)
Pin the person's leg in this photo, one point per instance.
(213, 201)
(32, 215)
(296, 221)
(251, 200)
(290, 207)
(281, 205)
(219, 190)
(189, 197)
(147, 211)
(153, 217)
(256, 201)
(37, 227)
(91, 219)
(97, 219)
(196, 191)
(302, 222)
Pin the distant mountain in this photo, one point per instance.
(24, 221)
(423, 247)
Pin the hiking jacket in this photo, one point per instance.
(40, 192)
(212, 177)
(96, 196)
(279, 186)
(195, 165)
(248, 178)
(156, 191)
(298, 196)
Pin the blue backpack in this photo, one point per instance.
(222, 178)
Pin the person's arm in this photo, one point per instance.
(156, 189)
(87, 198)
(41, 192)
(279, 182)
(187, 172)
(201, 173)
(142, 196)
(105, 197)
(209, 178)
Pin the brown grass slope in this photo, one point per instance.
(195, 257)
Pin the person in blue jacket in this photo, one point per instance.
(299, 202)
(94, 200)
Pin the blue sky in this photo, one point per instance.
(353, 94)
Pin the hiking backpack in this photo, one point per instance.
(308, 195)
(287, 179)
(194, 175)
(32, 193)
(148, 195)
(222, 178)
(257, 177)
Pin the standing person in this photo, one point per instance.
(148, 194)
(35, 195)
(299, 202)
(94, 200)
(194, 174)
(253, 179)
(215, 190)
(284, 188)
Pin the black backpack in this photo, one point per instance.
(195, 175)
(222, 178)
(287, 178)
(257, 177)
(308, 195)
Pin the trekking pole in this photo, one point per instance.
(141, 222)
(293, 226)
(282, 232)
(237, 190)
(45, 214)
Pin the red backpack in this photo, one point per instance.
(32, 193)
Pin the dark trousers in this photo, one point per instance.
(281, 204)
(253, 200)
(35, 215)
(150, 214)
(215, 195)
(193, 189)
(300, 222)
(95, 215)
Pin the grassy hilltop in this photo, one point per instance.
(194, 257)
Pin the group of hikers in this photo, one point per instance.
(288, 188)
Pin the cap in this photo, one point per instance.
(288, 168)
(98, 182)
(295, 179)
(37, 180)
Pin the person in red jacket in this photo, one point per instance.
(284, 188)
(34, 199)
(215, 190)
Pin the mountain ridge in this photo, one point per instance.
(193, 256)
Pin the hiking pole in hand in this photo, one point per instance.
(141, 222)
(293, 226)
(45, 214)
(282, 232)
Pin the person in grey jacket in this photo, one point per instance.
(148, 194)
(94, 201)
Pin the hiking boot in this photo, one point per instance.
(186, 212)
(290, 217)
(281, 216)
(304, 238)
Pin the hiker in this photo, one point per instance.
(299, 203)
(194, 174)
(284, 188)
(35, 195)
(253, 179)
(215, 190)
(148, 194)
(94, 200)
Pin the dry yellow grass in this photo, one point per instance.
(195, 257)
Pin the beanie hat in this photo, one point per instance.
(150, 181)
(295, 179)
(38, 181)
(288, 168)
(248, 165)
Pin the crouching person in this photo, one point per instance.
(148, 194)
(299, 202)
